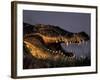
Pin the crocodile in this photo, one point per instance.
(44, 41)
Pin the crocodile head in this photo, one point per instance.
(45, 41)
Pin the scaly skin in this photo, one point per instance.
(44, 41)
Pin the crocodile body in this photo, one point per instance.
(43, 42)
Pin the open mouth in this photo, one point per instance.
(78, 49)
(69, 48)
(74, 46)
(56, 47)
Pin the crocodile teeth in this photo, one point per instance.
(50, 50)
(79, 43)
(53, 51)
(56, 51)
(61, 53)
(66, 43)
(56, 41)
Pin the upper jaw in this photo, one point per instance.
(70, 38)
(76, 38)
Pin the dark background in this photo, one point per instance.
(73, 22)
